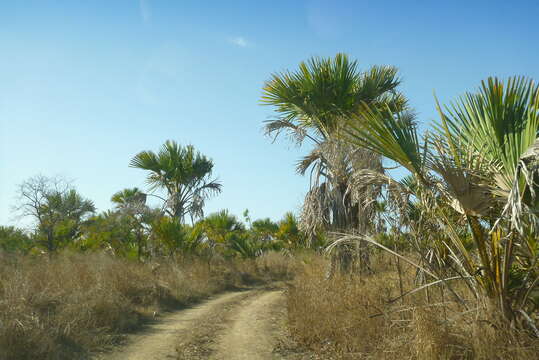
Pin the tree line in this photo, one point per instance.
(466, 209)
(180, 178)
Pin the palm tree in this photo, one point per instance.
(129, 198)
(61, 216)
(479, 165)
(175, 236)
(131, 203)
(313, 103)
(289, 232)
(184, 173)
(264, 229)
(219, 225)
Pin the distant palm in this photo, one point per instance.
(184, 173)
(219, 225)
(127, 197)
(132, 204)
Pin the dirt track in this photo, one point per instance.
(239, 325)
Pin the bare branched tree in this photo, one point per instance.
(52, 202)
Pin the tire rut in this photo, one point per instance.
(234, 326)
(159, 341)
(253, 332)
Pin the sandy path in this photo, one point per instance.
(233, 326)
(253, 332)
(159, 341)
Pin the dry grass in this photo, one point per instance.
(351, 317)
(67, 306)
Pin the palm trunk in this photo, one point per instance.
(496, 274)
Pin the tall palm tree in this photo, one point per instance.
(184, 173)
(313, 103)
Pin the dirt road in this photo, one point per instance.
(239, 325)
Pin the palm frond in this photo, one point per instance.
(391, 135)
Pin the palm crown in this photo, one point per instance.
(184, 173)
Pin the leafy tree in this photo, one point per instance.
(57, 209)
(110, 231)
(14, 240)
(184, 174)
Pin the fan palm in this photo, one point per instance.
(477, 160)
(313, 103)
(131, 203)
(220, 224)
(175, 236)
(313, 100)
(62, 215)
(184, 173)
(288, 231)
(127, 198)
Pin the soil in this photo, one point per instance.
(239, 325)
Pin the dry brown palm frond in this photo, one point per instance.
(466, 184)
(333, 201)
(523, 206)
(295, 132)
(371, 182)
(315, 211)
(310, 160)
(348, 238)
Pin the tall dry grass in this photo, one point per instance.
(353, 317)
(67, 306)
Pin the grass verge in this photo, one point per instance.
(353, 317)
(72, 304)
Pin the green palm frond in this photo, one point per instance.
(392, 135)
(128, 196)
(323, 91)
(184, 173)
(501, 121)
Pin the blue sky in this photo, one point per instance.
(85, 85)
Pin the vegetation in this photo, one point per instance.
(313, 103)
(473, 179)
(57, 210)
(77, 303)
(185, 175)
(465, 216)
(439, 263)
(364, 317)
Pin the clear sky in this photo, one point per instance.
(85, 85)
